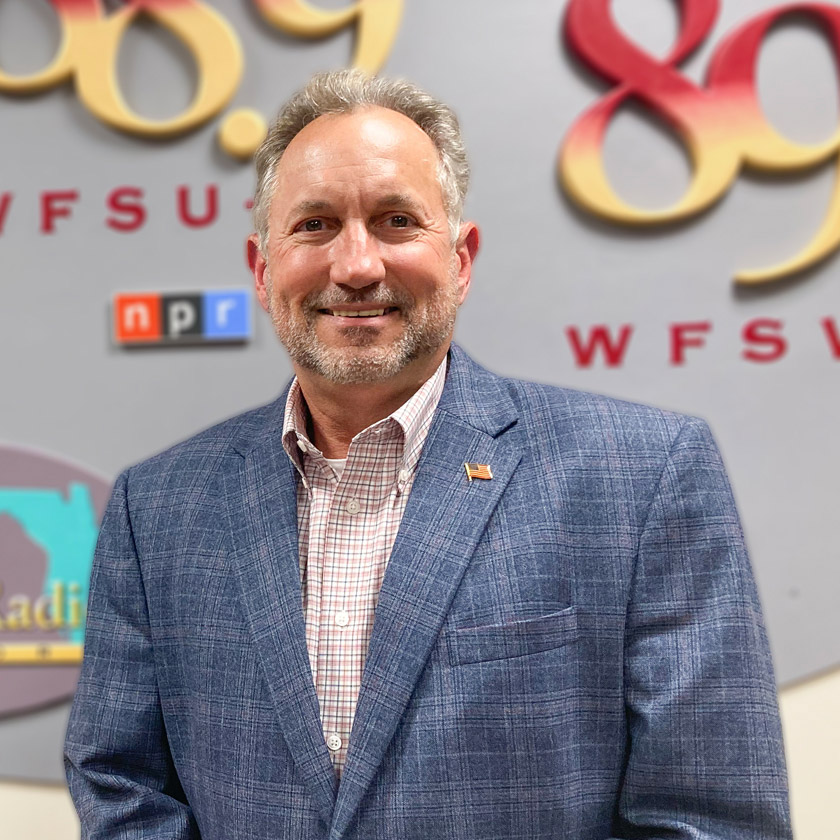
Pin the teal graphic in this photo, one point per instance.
(50, 511)
(65, 528)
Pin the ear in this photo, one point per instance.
(466, 249)
(257, 264)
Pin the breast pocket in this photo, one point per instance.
(516, 638)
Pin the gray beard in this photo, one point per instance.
(424, 332)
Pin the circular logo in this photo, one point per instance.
(49, 517)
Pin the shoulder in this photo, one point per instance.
(596, 451)
(593, 422)
(556, 417)
(594, 414)
(196, 461)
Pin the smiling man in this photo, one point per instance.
(411, 599)
(359, 264)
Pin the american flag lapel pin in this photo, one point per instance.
(478, 471)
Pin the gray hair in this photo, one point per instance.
(344, 91)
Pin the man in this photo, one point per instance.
(411, 599)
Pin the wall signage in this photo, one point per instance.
(145, 318)
(49, 516)
(721, 122)
(126, 209)
(91, 37)
(763, 341)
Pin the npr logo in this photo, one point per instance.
(189, 318)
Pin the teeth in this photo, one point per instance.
(365, 313)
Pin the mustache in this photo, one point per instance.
(330, 298)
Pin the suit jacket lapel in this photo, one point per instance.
(263, 522)
(444, 519)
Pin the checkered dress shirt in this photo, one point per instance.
(347, 527)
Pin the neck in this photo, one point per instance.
(339, 412)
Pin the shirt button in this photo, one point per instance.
(342, 618)
(301, 445)
(404, 476)
(353, 506)
(334, 742)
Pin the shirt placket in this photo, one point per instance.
(354, 561)
(321, 491)
(344, 550)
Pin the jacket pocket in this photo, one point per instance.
(516, 638)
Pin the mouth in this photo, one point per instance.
(358, 313)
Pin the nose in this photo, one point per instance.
(355, 258)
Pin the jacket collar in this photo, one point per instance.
(471, 394)
(475, 396)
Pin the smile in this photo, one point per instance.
(359, 313)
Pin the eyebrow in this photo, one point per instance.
(310, 207)
(398, 200)
(392, 200)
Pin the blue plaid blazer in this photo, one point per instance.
(573, 649)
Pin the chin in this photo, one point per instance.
(360, 354)
(357, 365)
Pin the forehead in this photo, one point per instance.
(364, 149)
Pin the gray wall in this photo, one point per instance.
(544, 266)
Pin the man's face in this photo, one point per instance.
(360, 275)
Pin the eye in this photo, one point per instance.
(400, 221)
(311, 226)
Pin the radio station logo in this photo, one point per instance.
(49, 517)
(721, 122)
(91, 36)
(148, 318)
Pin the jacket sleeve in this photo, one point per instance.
(117, 759)
(705, 754)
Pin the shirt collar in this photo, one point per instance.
(413, 417)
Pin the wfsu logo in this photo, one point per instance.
(49, 517)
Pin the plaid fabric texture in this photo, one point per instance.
(347, 527)
(571, 650)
